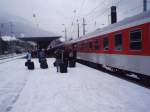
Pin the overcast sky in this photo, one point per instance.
(51, 14)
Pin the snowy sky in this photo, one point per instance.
(51, 14)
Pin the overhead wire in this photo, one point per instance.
(135, 8)
(77, 18)
(104, 11)
(94, 11)
(89, 14)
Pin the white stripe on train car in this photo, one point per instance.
(133, 63)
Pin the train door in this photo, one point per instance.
(97, 49)
(106, 50)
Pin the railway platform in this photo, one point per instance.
(82, 89)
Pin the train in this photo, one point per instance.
(123, 46)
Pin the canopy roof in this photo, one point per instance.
(40, 39)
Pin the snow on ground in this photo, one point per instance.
(12, 81)
(10, 57)
(82, 89)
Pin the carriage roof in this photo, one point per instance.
(126, 23)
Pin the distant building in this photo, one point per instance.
(13, 45)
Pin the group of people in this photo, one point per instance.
(40, 54)
(42, 59)
(64, 58)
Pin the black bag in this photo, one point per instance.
(63, 68)
(66, 62)
(43, 64)
(72, 63)
(30, 65)
(27, 62)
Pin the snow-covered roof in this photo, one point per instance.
(8, 38)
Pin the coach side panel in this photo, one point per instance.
(135, 61)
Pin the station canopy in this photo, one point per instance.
(40, 39)
(43, 39)
(38, 35)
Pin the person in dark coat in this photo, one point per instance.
(41, 55)
(74, 54)
(58, 56)
(66, 56)
(72, 58)
(28, 57)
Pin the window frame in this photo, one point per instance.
(120, 33)
(97, 47)
(106, 37)
(132, 31)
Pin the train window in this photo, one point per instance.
(97, 44)
(136, 40)
(118, 42)
(106, 43)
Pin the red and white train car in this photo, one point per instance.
(124, 45)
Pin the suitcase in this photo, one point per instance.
(43, 64)
(66, 62)
(72, 63)
(30, 65)
(26, 63)
(63, 68)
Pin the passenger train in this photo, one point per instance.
(122, 46)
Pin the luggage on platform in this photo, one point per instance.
(30, 65)
(26, 63)
(66, 62)
(43, 64)
(72, 63)
(63, 68)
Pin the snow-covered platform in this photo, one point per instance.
(82, 89)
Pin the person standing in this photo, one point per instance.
(66, 57)
(28, 56)
(58, 56)
(42, 59)
(29, 64)
(72, 58)
(41, 55)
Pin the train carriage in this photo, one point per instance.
(124, 45)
